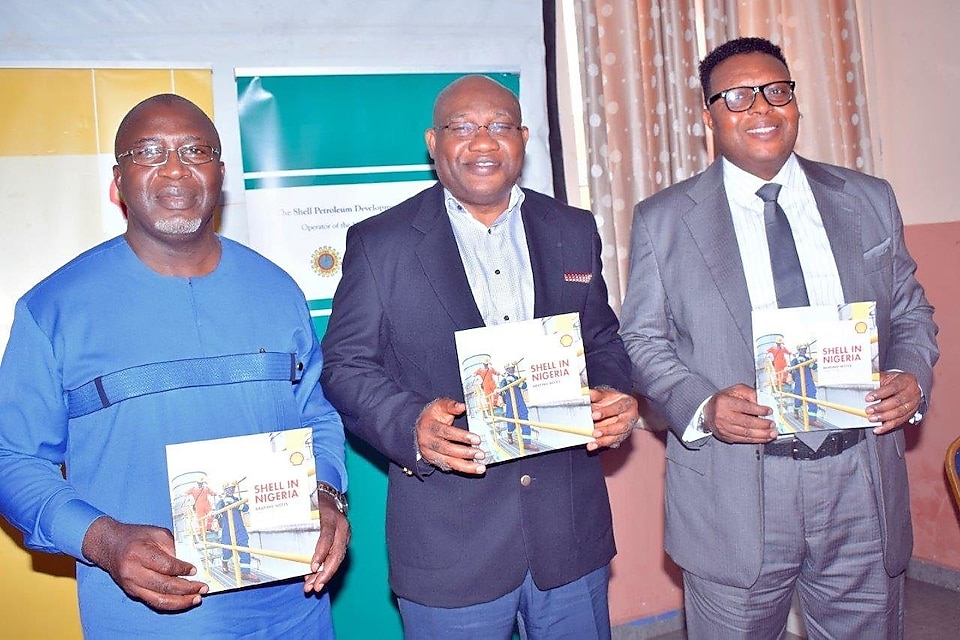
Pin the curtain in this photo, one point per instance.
(641, 112)
(643, 102)
(821, 41)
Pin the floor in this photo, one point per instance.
(932, 613)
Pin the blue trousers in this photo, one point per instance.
(574, 611)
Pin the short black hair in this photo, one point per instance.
(165, 100)
(732, 48)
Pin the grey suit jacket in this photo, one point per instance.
(687, 327)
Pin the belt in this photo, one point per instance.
(834, 444)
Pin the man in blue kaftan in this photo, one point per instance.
(166, 334)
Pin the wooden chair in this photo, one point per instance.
(951, 463)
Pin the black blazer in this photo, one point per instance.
(389, 349)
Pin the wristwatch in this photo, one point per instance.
(339, 497)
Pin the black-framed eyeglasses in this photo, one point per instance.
(155, 155)
(777, 94)
(469, 129)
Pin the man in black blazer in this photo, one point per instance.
(750, 520)
(472, 548)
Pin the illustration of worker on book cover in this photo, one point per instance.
(245, 508)
(525, 386)
(815, 365)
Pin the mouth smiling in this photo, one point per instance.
(484, 165)
(762, 130)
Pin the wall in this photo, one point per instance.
(915, 87)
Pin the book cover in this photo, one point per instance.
(245, 508)
(815, 365)
(525, 386)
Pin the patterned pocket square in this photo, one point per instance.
(582, 277)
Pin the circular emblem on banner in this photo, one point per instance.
(325, 261)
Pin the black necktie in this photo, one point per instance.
(787, 274)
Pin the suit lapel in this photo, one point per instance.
(842, 225)
(546, 256)
(440, 259)
(711, 225)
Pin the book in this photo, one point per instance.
(525, 386)
(245, 508)
(815, 365)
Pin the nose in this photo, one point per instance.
(174, 166)
(483, 139)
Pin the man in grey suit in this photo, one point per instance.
(750, 519)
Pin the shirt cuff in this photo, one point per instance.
(67, 525)
(695, 430)
(329, 474)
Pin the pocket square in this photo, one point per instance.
(582, 277)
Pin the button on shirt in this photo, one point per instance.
(496, 259)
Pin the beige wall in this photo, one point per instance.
(914, 86)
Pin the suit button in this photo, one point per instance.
(525, 480)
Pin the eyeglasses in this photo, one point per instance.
(777, 94)
(470, 129)
(155, 156)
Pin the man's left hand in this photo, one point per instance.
(331, 547)
(897, 400)
(615, 415)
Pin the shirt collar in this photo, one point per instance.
(455, 208)
(742, 186)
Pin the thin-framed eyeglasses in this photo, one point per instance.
(467, 129)
(777, 94)
(155, 155)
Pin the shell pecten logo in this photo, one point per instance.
(325, 261)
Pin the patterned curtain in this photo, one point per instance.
(643, 102)
(641, 111)
(821, 41)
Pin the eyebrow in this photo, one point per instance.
(496, 114)
(155, 140)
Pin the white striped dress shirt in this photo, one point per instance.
(813, 246)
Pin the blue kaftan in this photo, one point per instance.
(106, 311)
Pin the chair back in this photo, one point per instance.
(951, 463)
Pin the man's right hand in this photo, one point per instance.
(733, 415)
(141, 560)
(446, 447)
